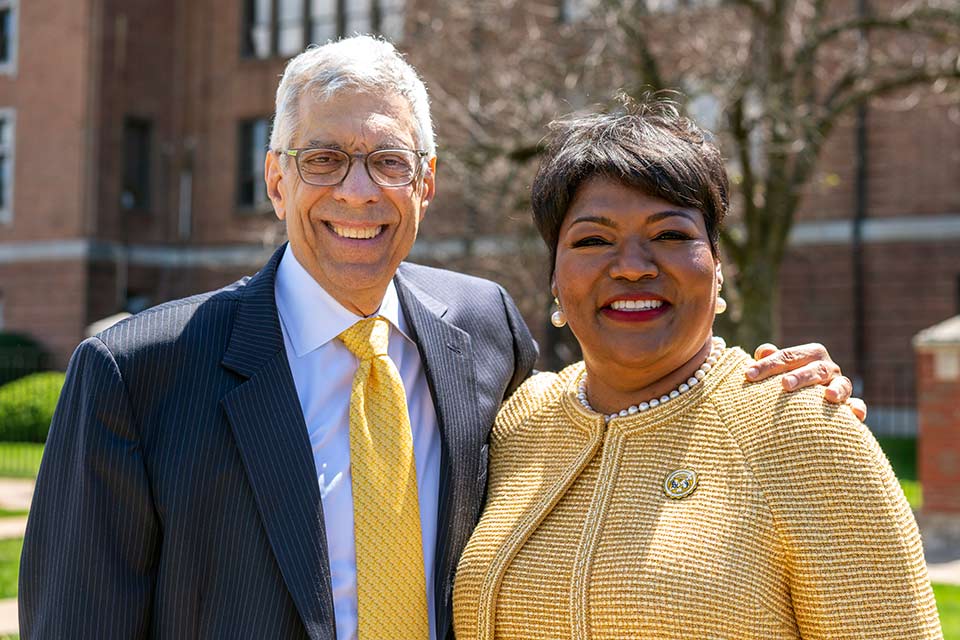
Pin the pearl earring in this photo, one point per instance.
(558, 318)
(721, 303)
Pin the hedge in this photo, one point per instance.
(26, 406)
(20, 355)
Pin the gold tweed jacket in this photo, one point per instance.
(797, 527)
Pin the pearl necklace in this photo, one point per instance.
(715, 352)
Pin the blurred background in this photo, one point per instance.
(132, 136)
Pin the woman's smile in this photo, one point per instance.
(635, 307)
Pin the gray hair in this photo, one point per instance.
(360, 62)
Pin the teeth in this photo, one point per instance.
(356, 233)
(636, 305)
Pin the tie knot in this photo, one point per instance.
(368, 338)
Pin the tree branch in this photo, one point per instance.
(754, 6)
(820, 127)
(741, 139)
(633, 29)
(875, 87)
(807, 77)
(456, 108)
(844, 83)
(734, 247)
(916, 21)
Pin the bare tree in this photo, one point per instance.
(774, 76)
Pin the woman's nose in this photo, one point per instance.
(634, 261)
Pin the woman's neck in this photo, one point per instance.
(610, 389)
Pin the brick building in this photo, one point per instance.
(131, 142)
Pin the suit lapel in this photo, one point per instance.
(268, 425)
(448, 363)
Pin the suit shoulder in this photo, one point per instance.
(174, 320)
(434, 278)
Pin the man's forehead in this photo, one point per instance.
(347, 118)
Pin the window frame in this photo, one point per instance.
(377, 12)
(243, 158)
(9, 67)
(146, 205)
(9, 115)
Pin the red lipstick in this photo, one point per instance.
(635, 307)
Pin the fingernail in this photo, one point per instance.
(790, 381)
(752, 372)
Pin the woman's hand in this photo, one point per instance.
(808, 364)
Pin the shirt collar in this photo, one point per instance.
(312, 317)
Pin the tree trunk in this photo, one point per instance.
(757, 285)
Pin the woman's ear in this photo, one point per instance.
(719, 269)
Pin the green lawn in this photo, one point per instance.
(902, 453)
(9, 566)
(948, 603)
(20, 459)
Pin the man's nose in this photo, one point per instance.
(357, 187)
(634, 261)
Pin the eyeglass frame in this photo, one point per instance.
(295, 154)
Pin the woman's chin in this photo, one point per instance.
(645, 360)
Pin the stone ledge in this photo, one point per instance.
(941, 536)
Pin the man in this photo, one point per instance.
(207, 473)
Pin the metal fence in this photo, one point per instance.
(24, 404)
(891, 396)
(17, 361)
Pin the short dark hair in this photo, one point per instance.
(647, 145)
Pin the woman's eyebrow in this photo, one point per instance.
(662, 215)
(603, 220)
(654, 217)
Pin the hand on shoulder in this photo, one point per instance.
(805, 366)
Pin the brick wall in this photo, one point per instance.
(909, 286)
(48, 301)
(938, 406)
(51, 94)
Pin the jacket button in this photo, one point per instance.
(680, 483)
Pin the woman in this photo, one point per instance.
(649, 491)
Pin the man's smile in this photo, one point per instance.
(365, 232)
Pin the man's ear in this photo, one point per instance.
(428, 186)
(273, 176)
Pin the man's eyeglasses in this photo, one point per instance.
(329, 167)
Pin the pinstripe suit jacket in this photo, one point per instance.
(178, 497)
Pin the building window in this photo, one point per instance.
(137, 134)
(958, 294)
(285, 27)
(672, 6)
(252, 142)
(8, 36)
(7, 131)
(572, 11)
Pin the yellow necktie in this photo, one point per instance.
(391, 587)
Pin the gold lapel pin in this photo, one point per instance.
(680, 483)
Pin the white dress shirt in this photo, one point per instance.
(323, 369)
